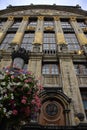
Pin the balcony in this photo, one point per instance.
(52, 80)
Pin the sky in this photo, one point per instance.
(5, 3)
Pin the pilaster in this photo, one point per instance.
(39, 31)
(59, 32)
(35, 63)
(19, 35)
(70, 86)
(78, 31)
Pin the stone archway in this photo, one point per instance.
(53, 109)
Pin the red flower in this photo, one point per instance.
(23, 101)
(15, 112)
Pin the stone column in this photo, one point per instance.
(35, 64)
(70, 86)
(5, 27)
(39, 31)
(5, 60)
(19, 35)
(78, 31)
(59, 33)
(38, 35)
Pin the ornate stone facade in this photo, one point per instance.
(42, 41)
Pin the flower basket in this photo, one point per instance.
(19, 95)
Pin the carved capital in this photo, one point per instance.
(56, 18)
(25, 18)
(72, 18)
(40, 17)
(10, 18)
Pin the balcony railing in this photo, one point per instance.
(49, 49)
(49, 52)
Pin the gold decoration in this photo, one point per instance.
(56, 18)
(25, 18)
(84, 29)
(77, 121)
(10, 18)
(17, 39)
(30, 28)
(1, 33)
(82, 38)
(60, 38)
(38, 38)
(48, 28)
(73, 18)
(40, 17)
(80, 52)
(1, 36)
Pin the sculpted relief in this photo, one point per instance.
(40, 12)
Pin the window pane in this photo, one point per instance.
(82, 24)
(72, 41)
(16, 24)
(6, 42)
(28, 40)
(80, 69)
(50, 69)
(65, 24)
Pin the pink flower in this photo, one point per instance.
(40, 87)
(15, 112)
(26, 81)
(29, 80)
(33, 101)
(24, 97)
(29, 72)
(23, 101)
(12, 77)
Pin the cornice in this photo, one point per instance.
(71, 9)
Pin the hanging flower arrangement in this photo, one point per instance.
(19, 94)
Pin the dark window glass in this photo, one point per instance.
(16, 23)
(84, 99)
(32, 22)
(48, 22)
